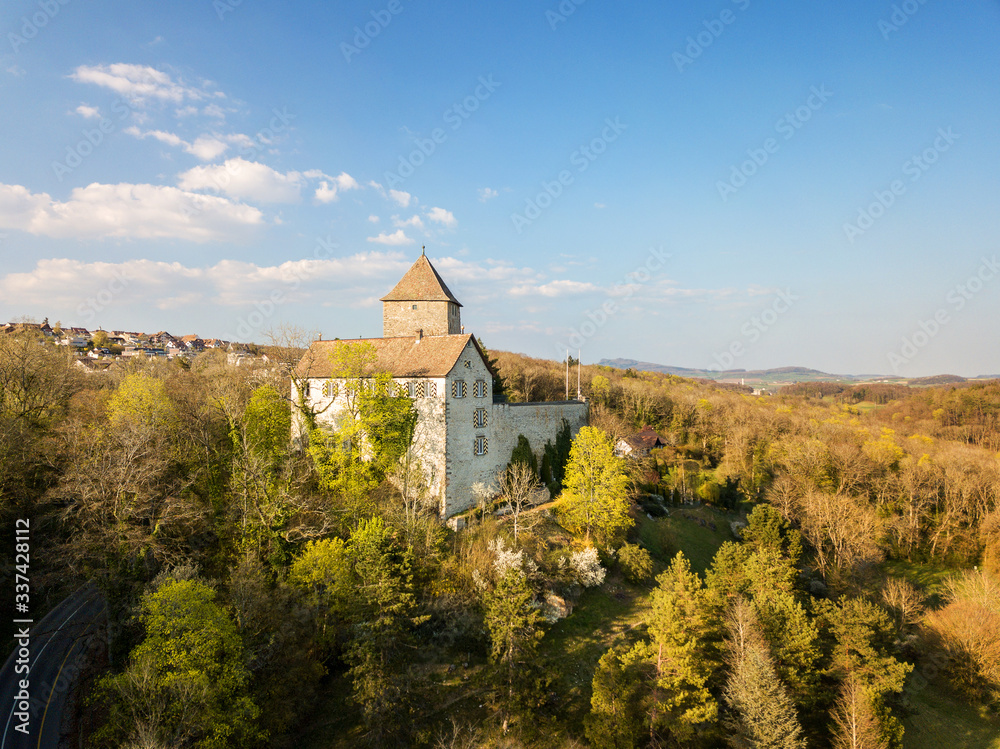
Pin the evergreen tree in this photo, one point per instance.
(513, 624)
(761, 715)
(615, 719)
(683, 655)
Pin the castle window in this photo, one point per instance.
(432, 390)
(418, 389)
(481, 446)
(479, 418)
(458, 389)
(414, 307)
(479, 389)
(468, 364)
(330, 389)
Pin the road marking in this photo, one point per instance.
(52, 691)
(6, 729)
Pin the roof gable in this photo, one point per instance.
(421, 283)
(409, 356)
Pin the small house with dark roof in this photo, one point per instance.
(462, 437)
(639, 444)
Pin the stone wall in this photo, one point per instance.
(434, 318)
(539, 422)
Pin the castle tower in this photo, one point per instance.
(420, 302)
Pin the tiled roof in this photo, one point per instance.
(421, 284)
(646, 439)
(430, 356)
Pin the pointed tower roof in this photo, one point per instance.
(421, 284)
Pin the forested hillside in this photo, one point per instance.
(813, 569)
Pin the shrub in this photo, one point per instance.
(635, 562)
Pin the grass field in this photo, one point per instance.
(684, 531)
(943, 720)
(932, 579)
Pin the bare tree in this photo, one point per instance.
(520, 489)
(856, 726)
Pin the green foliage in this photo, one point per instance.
(761, 713)
(635, 562)
(186, 683)
(141, 402)
(323, 572)
(381, 614)
(514, 629)
(766, 528)
(615, 719)
(268, 424)
(523, 454)
(554, 459)
(596, 499)
(683, 627)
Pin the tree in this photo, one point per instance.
(855, 723)
(682, 627)
(762, 715)
(513, 624)
(323, 572)
(187, 684)
(615, 719)
(596, 499)
(373, 431)
(100, 339)
(382, 615)
(519, 487)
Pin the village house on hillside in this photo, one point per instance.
(462, 435)
(639, 444)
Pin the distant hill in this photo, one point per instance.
(780, 375)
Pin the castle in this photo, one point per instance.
(462, 436)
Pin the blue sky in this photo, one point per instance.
(732, 184)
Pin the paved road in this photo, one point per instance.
(59, 647)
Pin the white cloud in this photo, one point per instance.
(487, 193)
(599, 205)
(396, 238)
(413, 221)
(554, 289)
(441, 216)
(127, 211)
(87, 111)
(374, 219)
(206, 147)
(214, 110)
(227, 283)
(160, 135)
(140, 83)
(239, 178)
(17, 71)
(330, 187)
(401, 197)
